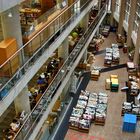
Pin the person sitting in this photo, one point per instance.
(22, 117)
(8, 134)
(15, 125)
(40, 80)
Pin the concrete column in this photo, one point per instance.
(137, 48)
(66, 88)
(85, 55)
(63, 50)
(121, 17)
(1, 33)
(22, 102)
(84, 22)
(74, 81)
(131, 21)
(112, 12)
(84, 25)
(99, 4)
(99, 7)
(11, 26)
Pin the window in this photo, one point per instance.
(137, 17)
(127, 10)
(117, 7)
(77, 6)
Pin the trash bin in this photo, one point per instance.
(129, 123)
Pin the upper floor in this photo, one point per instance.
(26, 61)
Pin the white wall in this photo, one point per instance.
(11, 26)
(7, 4)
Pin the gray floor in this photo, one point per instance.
(113, 126)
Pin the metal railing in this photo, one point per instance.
(41, 107)
(13, 70)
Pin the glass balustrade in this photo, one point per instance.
(41, 107)
(17, 65)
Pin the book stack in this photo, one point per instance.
(115, 54)
(114, 83)
(107, 84)
(131, 69)
(108, 57)
(106, 31)
(90, 107)
(95, 75)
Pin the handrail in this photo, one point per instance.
(38, 34)
(71, 58)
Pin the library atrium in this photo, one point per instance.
(69, 70)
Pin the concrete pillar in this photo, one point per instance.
(131, 21)
(74, 80)
(137, 49)
(63, 50)
(112, 12)
(1, 33)
(85, 55)
(84, 25)
(66, 89)
(121, 17)
(99, 7)
(22, 102)
(99, 4)
(11, 26)
(84, 22)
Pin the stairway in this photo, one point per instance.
(7, 118)
(1, 33)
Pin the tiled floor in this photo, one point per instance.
(112, 130)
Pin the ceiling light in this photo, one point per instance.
(10, 15)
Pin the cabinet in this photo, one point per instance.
(7, 48)
(47, 4)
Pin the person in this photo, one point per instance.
(40, 80)
(8, 134)
(15, 125)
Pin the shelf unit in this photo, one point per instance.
(28, 15)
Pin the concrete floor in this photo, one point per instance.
(112, 130)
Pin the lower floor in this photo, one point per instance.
(112, 130)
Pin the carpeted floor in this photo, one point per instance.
(112, 130)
